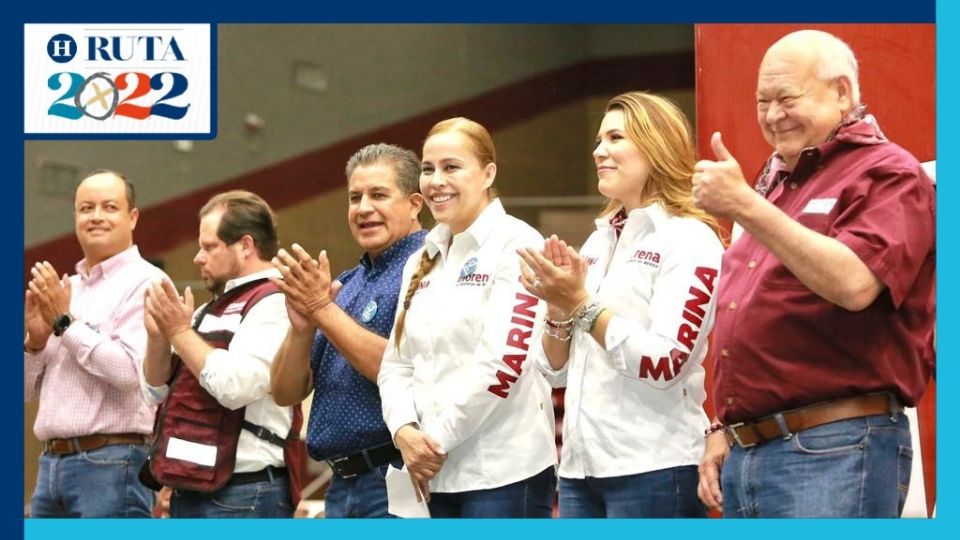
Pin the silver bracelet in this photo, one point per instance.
(588, 318)
(568, 323)
(556, 333)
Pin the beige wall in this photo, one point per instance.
(376, 75)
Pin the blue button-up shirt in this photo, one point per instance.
(346, 416)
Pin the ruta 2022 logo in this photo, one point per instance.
(118, 79)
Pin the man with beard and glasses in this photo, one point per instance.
(221, 442)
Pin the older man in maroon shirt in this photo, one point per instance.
(825, 306)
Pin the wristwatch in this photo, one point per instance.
(61, 323)
(588, 317)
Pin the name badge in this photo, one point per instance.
(201, 454)
(819, 206)
(369, 312)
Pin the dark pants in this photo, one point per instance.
(666, 493)
(532, 497)
(363, 496)
(266, 499)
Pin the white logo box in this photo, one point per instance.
(118, 80)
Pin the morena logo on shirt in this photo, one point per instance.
(469, 267)
(469, 276)
(646, 258)
(592, 260)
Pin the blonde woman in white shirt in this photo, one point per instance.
(471, 416)
(627, 322)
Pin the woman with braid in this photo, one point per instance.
(472, 418)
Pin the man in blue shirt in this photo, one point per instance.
(339, 329)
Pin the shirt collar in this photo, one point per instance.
(858, 128)
(107, 267)
(438, 238)
(401, 249)
(236, 282)
(654, 213)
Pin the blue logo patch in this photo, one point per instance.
(469, 267)
(61, 48)
(369, 312)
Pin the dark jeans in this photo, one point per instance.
(666, 493)
(363, 496)
(532, 497)
(852, 468)
(100, 483)
(266, 499)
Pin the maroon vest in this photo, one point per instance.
(190, 415)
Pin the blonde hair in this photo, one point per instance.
(662, 133)
(426, 265)
(480, 140)
(481, 144)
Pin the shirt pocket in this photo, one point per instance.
(819, 223)
(782, 278)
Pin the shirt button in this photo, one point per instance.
(724, 353)
(793, 185)
(729, 401)
(733, 305)
(752, 264)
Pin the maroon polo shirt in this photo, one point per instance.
(777, 345)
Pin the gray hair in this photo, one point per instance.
(405, 164)
(834, 57)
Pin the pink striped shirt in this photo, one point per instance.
(88, 380)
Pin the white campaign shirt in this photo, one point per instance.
(240, 375)
(461, 370)
(637, 406)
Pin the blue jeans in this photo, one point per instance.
(852, 468)
(532, 497)
(100, 483)
(266, 499)
(666, 493)
(363, 496)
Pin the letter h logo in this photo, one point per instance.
(61, 48)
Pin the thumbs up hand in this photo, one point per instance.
(718, 185)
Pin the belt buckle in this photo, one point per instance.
(334, 464)
(732, 430)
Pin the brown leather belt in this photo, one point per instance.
(784, 424)
(74, 445)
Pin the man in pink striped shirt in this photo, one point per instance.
(85, 339)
